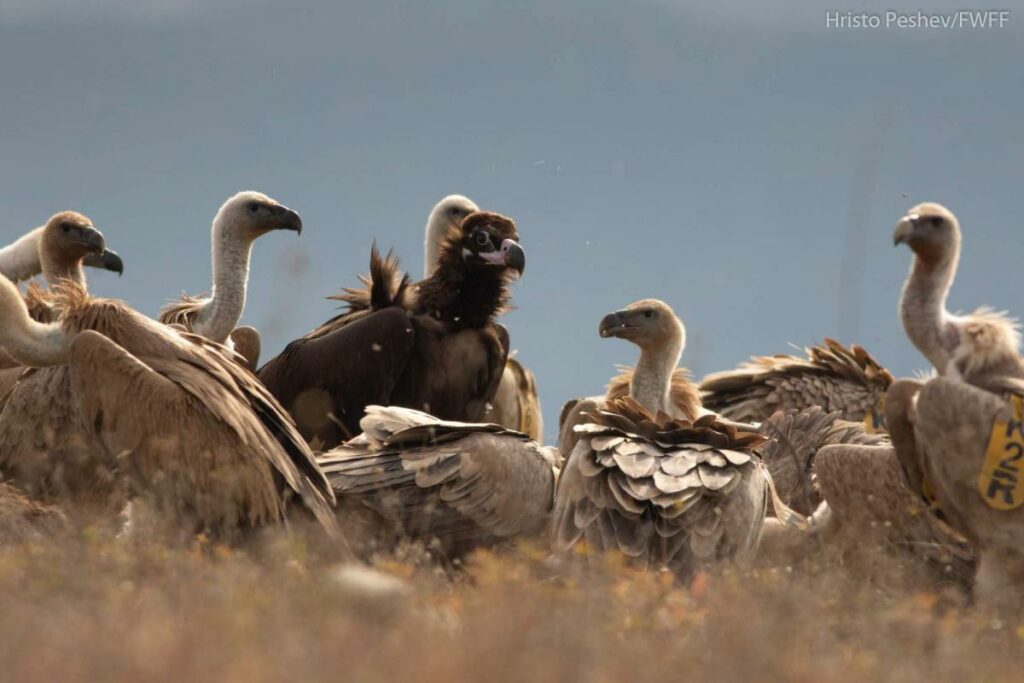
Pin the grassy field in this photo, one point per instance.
(85, 605)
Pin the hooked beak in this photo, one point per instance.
(612, 324)
(905, 229)
(107, 260)
(92, 239)
(510, 255)
(288, 219)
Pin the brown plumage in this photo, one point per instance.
(433, 347)
(515, 404)
(683, 393)
(121, 400)
(664, 492)
(463, 485)
(797, 437)
(872, 506)
(832, 376)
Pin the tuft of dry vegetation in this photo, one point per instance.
(86, 605)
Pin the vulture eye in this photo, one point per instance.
(254, 207)
(648, 314)
(482, 238)
(65, 227)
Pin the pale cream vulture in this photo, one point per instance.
(457, 485)
(864, 486)
(119, 400)
(516, 404)
(665, 492)
(239, 222)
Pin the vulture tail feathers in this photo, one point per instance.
(384, 287)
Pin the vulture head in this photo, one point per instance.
(69, 238)
(648, 323)
(249, 215)
(446, 216)
(490, 241)
(451, 211)
(930, 230)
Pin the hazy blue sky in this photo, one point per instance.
(744, 163)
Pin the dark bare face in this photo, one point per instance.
(490, 240)
(643, 323)
(930, 230)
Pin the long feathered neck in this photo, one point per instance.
(219, 315)
(923, 305)
(463, 296)
(437, 228)
(652, 380)
(56, 268)
(20, 259)
(28, 342)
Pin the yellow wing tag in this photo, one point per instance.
(1001, 482)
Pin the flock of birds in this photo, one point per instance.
(405, 417)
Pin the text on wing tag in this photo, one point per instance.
(1001, 482)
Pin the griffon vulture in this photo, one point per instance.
(66, 242)
(119, 399)
(465, 485)
(240, 221)
(434, 347)
(832, 376)
(69, 232)
(515, 405)
(933, 233)
(665, 491)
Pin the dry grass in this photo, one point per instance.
(87, 606)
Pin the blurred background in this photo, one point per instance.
(743, 162)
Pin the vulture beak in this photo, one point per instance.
(108, 260)
(515, 257)
(92, 239)
(905, 229)
(612, 324)
(510, 255)
(288, 219)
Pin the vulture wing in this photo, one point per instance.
(43, 451)
(832, 376)
(195, 426)
(970, 442)
(664, 493)
(464, 484)
(870, 501)
(516, 405)
(246, 342)
(327, 380)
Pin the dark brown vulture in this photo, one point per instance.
(515, 404)
(118, 403)
(412, 476)
(832, 376)
(239, 222)
(433, 347)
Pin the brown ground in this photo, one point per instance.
(83, 605)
